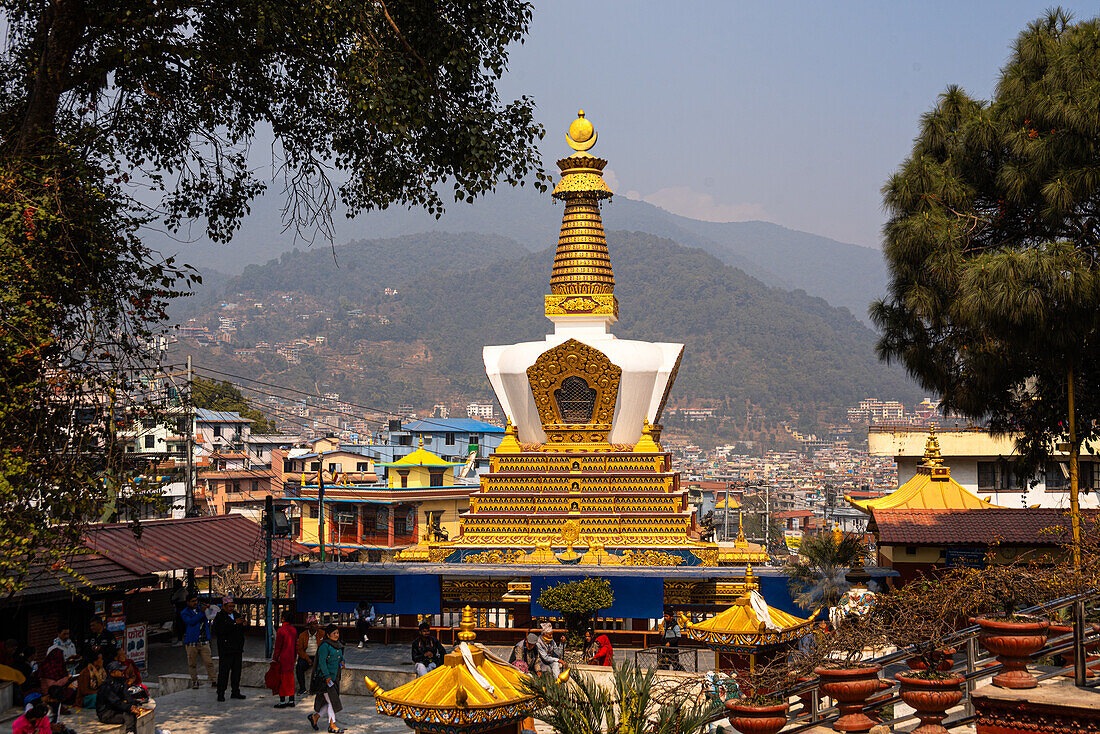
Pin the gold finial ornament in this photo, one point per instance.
(932, 464)
(581, 135)
(467, 624)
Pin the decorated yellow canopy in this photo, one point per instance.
(749, 625)
(931, 488)
(470, 691)
(422, 457)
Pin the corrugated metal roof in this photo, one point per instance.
(445, 425)
(203, 415)
(95, 569)
(193, 542)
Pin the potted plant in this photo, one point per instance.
(759, 709)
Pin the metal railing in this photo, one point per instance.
(671, 658)
(975, 665)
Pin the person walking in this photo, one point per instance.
(179, 601)
(229, 628)
(427, 650)
(113, 703)
(196, 640)
(308, 642)
(550, 651)
(603, 654)
(284, 655)
(525, 654)
(668, 657)
(328, 666)
(364, 620)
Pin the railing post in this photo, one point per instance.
(1080, 662)
(971, 666)
(815, 702)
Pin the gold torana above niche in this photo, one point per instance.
(582, 282)
(575, 387)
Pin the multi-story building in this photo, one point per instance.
(983, 464)
(481, 411)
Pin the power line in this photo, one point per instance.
(320, 397)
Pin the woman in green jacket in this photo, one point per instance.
(329, 663)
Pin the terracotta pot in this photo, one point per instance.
(1013, 643)
(945, 665)
(1070, 656)
(850, 688)
(931, 698)
(749, 719)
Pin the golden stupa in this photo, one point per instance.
(581, 475)
(471, 690)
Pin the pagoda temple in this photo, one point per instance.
(581, 476)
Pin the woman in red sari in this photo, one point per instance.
(286, 652)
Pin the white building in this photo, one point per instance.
(982, 463)
(481, 411)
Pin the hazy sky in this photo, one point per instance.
(791, 112)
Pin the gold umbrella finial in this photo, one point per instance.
(374, 688)
(932, 455)
(467, 624)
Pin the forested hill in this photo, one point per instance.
(745, 340)
(451, 294)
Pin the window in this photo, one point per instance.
(449, 439)
(363, 466)
(404, 440)
(217, 431)
(404, 478)
(997, 476)
(255, 486)
(244, 567)
(313, 511)
(333, 468)
(576, 400)
(1090, 477)
(436, 478)
(150, 442)
(236, 487)
(474, 439)
(315, 466)
(147, 423)
(1056, 476)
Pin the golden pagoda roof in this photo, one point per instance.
(451, 698)
(931, 488)
(740, 628)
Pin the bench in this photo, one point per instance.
(85, 722)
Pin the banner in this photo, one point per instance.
(135, 644)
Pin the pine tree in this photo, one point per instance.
(993, 243)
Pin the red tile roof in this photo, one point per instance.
(1020, 526)
(193, 542)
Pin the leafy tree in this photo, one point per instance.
(577, 602)
(118, 116)
(992, 245)
(215, 395)
(632, 705)
(817, 575)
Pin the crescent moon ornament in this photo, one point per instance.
(581, 135)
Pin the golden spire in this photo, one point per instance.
(466, 625)
(740, 542)
(582, 282)
(933, 462)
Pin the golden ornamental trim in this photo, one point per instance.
(575, 359)
(496, 556)
(650, 558)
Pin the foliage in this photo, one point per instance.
(577, 601)
(992, 244)
(631, 706)
(120, 116)
(215, 395)
(817, 575)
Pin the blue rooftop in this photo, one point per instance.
(204, 415)
(456, 425)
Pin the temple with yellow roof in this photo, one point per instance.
(931, 488)
(581, 476)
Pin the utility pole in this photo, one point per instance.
(189, 480)
(767, 517)
(321, 511)
(269, 533)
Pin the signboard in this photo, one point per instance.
(365, 588)
(965, 557)
(136, 644)
(793, 539)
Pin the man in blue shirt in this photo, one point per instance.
(196, 639)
